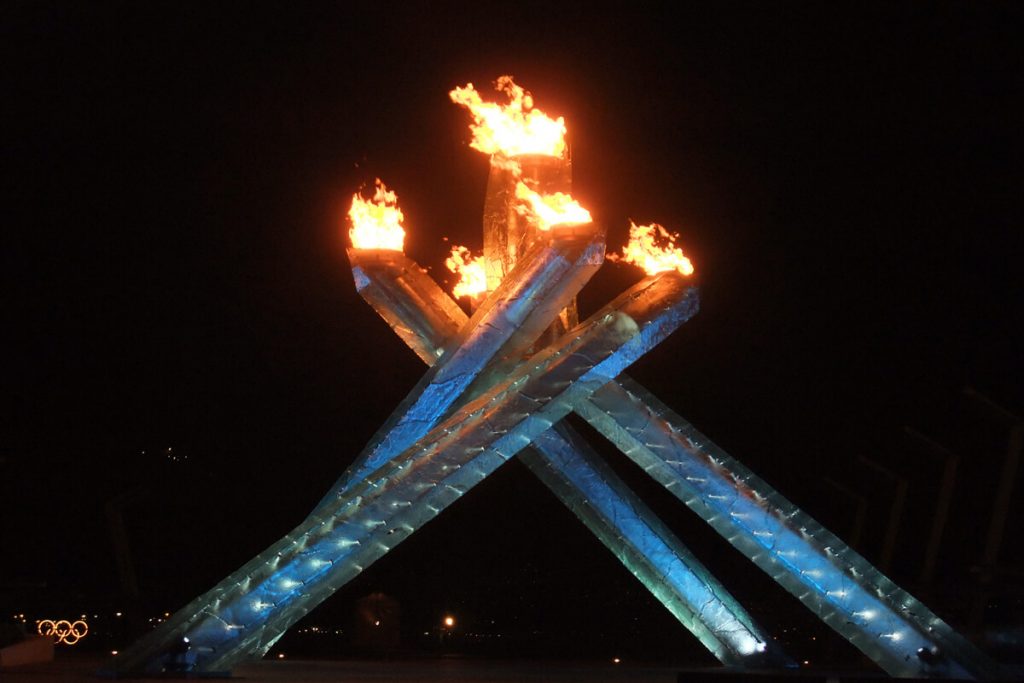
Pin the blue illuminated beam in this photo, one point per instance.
(244, 615)
(505, 325)
(424, 316)
(885, 622)
(839, 586)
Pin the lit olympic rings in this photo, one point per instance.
(63, 631)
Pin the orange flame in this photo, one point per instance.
(513, 128)
(470, 269)
(376, 223)
(550, 209)
(654, 249)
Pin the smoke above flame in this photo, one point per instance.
(470, 269)
(654, 249)
(376, 222)
(510, 129)
(550, 209)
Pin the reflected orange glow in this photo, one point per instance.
(376, 222)
(513, 128)
(550, 209)
(654, 249)
(470, 269)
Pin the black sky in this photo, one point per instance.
(846, 177)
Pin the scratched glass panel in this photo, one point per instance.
(647, 548)
(883, 621)
(601, 500)
(507, 233)
(508, 321)
(419, 312)
(241, 617)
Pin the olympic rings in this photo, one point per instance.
(63, 631)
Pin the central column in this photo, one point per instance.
(507, 233)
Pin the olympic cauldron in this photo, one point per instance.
(498, 385)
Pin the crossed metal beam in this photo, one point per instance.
(487, 397)
(562, 460)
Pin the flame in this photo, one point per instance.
(654, 249)
(513, 128)
(470, 269)
(550, 209)
(376, 223)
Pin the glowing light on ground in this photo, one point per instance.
(376, 222)
(748, 645)
(510, 129)
(653, 248)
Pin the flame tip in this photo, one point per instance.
(470, 269)
(551, 209)
(376, 222)
(653, 248)
(517, 127)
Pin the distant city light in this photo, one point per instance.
(616, 660)
(449, 621)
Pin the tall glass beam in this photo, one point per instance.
(505, 325)
(423, 315)
(803, 567)
(246, 613)
(876, 630)
(885, 622)
(508, 234)
(648, 549)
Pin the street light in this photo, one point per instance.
(444, 634)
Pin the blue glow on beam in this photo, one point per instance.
(844, 590)
(225, 625)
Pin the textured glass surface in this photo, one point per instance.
(408, 300)
(865, 624)
(885, 622)
(465, 419)
(508, 234)
(625, 525)
(245, 614)
(595, 494)
(506, 324)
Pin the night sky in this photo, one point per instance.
(847, 179)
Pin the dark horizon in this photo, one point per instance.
(847, 181)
